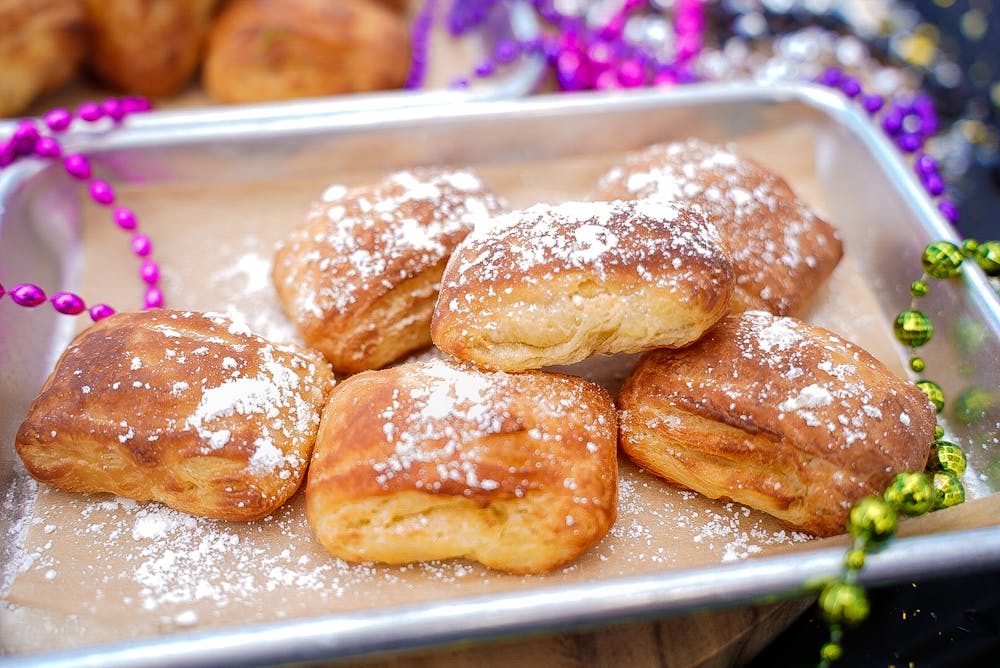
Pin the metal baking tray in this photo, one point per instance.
(863, 179)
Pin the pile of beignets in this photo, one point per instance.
(242, 50)
(692, 254)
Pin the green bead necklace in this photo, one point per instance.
(873, 520)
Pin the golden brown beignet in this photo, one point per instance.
(359, 278)
(41, 45)
(778, 415)
(188, 409)
(781, 251)
(434, 460)
(147, 47)
(283, 49)
(557, 284)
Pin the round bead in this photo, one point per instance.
(2, 291)
(913, 328)
(948, 210)
(77, 166)
(872, 102)
(47, 147)
(125, 218)
(102, 192)
(909, 142)
(113, 109)
(831, 76)
(24, 138)
(132, 105)
(153, 297)
(100, 311)
(917, 364)
(57, 120)
(938, 432)
(843, 603)
(910, 493)
(850, 86)
(149, 271)
(26, 294)
(68, 303)
(934, 393)
(946, 457)
(942, 259)
(872, 519)
(7, 155)
(90, 112)
(969, 247)
(141, 245)
(918, 288)
(831, 651)
(925, 164)
(855, 559)
(988, 257)
(972, 405)
(949, 490)
(934, 184)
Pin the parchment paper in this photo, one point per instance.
(99, 568)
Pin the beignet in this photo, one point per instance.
(434, 460)
(557, 284)
(188, 409)
(781, 251)
(778, 415)
(359, 278)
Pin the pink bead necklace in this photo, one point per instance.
(27, 141)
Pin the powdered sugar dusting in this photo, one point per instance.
(777, 242)
(370, 238)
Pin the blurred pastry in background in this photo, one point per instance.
(282, 49)
(41, 46)
(147, 47)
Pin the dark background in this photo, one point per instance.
(953, 620)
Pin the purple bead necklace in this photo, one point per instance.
(27, 141)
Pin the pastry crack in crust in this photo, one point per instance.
(777, 414)
(359, 278)
(557, 284)
(184, 408)
(435, 460)
(781, 250)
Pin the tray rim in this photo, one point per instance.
(344, 635)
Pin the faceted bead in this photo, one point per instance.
(68, 303)
(855, 559)
(843, 603)
(100, 311)
(988, 257)
(949, 490)
(946, 457)
(917, 364)
(934, 393)
(972, 405)
(26, 294)
(913, 328)
(942, 259)
(873, 520)
(911, 493)
(831, 651)
(918, 288)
